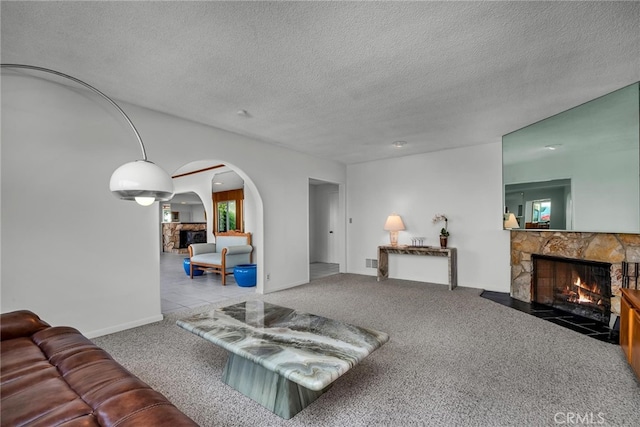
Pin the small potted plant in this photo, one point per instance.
(444, 233)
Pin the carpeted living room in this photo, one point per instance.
(471, 171)
(453, 359)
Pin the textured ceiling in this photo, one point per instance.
(340, 80)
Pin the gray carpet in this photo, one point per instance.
(454, 359)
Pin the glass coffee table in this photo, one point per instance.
(279, 357)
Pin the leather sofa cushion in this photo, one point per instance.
(43, 403)
(21, 323)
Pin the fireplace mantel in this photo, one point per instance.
(613, 248)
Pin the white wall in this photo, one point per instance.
(77, 256)
(188, 212)
(464, 184)
(197, 213)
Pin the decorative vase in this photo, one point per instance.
(245, 275)
(186, 263)
(443, 242)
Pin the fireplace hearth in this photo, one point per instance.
(575, 286)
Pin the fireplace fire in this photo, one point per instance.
(575, 286)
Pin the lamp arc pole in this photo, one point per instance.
(88, 86)
(140, 180)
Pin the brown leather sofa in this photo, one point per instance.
(54, 376)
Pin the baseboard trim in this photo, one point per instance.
(285, 286)
(124, 326)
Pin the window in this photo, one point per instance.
(228, 209)
(226, 214)
(541, 210)
(166, 213)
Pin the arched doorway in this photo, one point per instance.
(202, 179)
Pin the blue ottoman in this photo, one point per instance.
(187, 265)
(245, 275)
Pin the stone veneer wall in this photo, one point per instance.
(613, 248)
(171, 235)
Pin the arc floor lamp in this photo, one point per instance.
(140, 180)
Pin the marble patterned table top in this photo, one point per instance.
(310, 350)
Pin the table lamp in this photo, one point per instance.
(511, 221)
(393, 225)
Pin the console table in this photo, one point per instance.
(450, 253)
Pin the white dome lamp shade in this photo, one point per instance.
(140, 180)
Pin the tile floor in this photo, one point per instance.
(178, 291)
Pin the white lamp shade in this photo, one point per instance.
(511, 222)
(394, 223)
(141, 180)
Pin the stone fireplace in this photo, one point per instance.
(176, 236)
(607, 250)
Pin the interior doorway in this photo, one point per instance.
(324, 230)
(195, 210)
